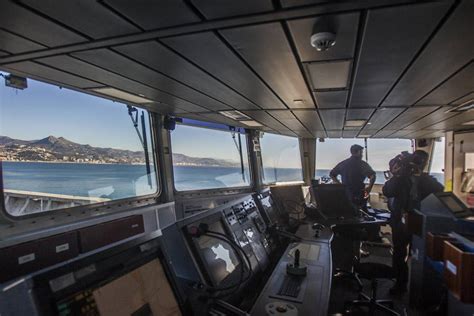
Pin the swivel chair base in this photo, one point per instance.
(373, 303)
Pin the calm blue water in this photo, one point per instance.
(121, 181)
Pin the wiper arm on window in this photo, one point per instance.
(142, 136)
(239, 149)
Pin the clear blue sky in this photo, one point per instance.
(42, 110)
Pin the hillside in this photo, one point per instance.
(59, 149)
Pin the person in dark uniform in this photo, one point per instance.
(405, 191)
(353, 172)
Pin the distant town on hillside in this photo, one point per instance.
(59, 149)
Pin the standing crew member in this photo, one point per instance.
(353, 172)
(405, 190)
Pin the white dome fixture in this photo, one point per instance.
(323, 41)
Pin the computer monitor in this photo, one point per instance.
(332, 201)
(142, 291)
(453, 204)
(218, 257)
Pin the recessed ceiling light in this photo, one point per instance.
(251, 123)
(369, 123)
(364, 136)
(298, 103)
(119, 94)
(354, 123)
(235, 115)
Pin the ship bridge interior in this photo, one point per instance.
(302, 72)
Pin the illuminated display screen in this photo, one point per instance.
(219, 257)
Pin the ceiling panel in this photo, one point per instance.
(310, 119)
(211, 54)
(425, 134)
(334, 134)
(401, 134)
(266, 49)
(66, 13)
(119, 64)
(438, 60)
(151, 15)
(358, 114)
(3, 53)
(293, 3)
(435, 117)
(281, 114)
(15, 44)
(329, 75)
(382, 117)
(40, 71)
(87, 70)
(213, 9)
(333, 119)
(391, 39)
(463, 99)
(409, 116)
(384, 133)
(34, 27)
(266, 119)
(454, 122)
(457, 86)
(350, 133)
(174, 66)
(345, 26)
(331, 99)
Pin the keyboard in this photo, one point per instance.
(290, 286)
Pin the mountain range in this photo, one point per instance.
(59, 149)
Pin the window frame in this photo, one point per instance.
(213, 191)
(281, 183)
(101, 208)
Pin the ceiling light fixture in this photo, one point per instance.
(119, 94)
(251, 123)
(466, 106)
(236, 115)
(354, 123)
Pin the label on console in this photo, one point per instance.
(61, 248)
(451, 267)
(26, 258)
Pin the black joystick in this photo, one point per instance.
(295, 268)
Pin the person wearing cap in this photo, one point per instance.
(353, 172)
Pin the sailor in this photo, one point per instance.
(353, 172)
(405, 191)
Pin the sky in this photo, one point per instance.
(43, 109)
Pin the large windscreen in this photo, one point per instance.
(220, 258)
(205, 158)
(60, 148)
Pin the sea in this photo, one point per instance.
(114, 181)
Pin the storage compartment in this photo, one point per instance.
(459, 270)
(434, 245)
(97, 236)
(35, 255)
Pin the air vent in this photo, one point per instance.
(466, 106)
(251, 123)
(235, 115)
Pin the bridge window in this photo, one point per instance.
(437, 161)
(60, 148)
(205, 158)
(379, 152)
(281, 159)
